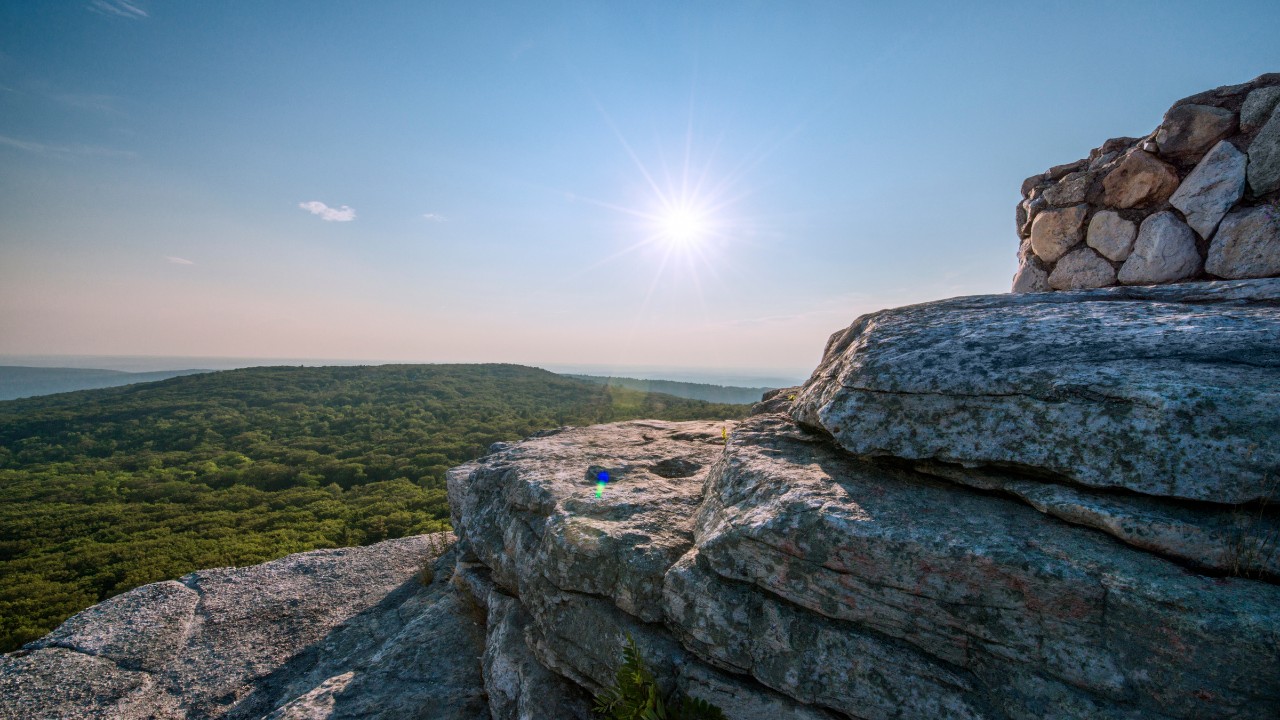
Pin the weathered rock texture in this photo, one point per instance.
(1167, 391)
(1008, 507)
(346, 633)
(1215, 154)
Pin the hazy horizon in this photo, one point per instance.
(734, 376)
(664, 185)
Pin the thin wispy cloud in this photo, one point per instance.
(342, 214)
(178, 260)
(434, 217)
(118, 8)
(63, 150)
(98, 103)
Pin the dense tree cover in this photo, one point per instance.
(105, 490)
(697, 391)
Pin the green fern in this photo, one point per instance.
(635, 695)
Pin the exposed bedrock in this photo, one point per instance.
(348, 633)
(1169, 391)
(589, 569)
(991, 608)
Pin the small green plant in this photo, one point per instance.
(1257, 541)
(437, 544)
(635, 695)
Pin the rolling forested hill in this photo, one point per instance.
(105, 490)
(19, 381)
(696, 391)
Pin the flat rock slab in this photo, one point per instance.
(323, 634)
(879, 585)
(534, 508)
(1169, 391)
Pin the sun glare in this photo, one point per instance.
(683, 226)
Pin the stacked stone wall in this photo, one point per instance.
(1197, 199)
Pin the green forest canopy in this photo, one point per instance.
(105, 490)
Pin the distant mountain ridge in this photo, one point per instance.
(19, 381)
(694, 391)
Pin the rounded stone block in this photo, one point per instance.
(1030, 278)
(1111, 235)
(1212, 188)
(1082, 269)
(1247, 244)
(1165, 251)
(1140, 179)
(1054, 232)
(1189, 130)
(1258, 107)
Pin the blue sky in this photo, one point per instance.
(491, 181)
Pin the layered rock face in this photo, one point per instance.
(1007, 507)
(1197, 199)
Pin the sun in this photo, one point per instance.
(683, 226)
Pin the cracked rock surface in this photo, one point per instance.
(323, 634)
(1170, 391)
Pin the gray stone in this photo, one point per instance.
(1139, 179)
(1166, 390)
(1222, 539)
(1258, 107)
(512, 508)
(1053, 232)
(61, 683)
(326, 634)
(143, 629)
(1081, 269)
(1070, 190)
(1212, 188)
(998, 610)
(1033, 207)
(1189, 130)
(1103, 160)
(1264, 157)
(1111, 235)
(1030, 278)
(818, 660)
(1247, 244)
(538, 508)
(518, 685)
(1060, 171)
(1030, 183)
(1165, 251)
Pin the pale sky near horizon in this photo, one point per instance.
(492, 182)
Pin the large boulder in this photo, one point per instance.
(1247, 245)
(1139, 179)
(1111, 235)
(1168, 391)
(1212, 188)
(1165, 251)
(1080, 269)
(1189, 130)
(1053, 232)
